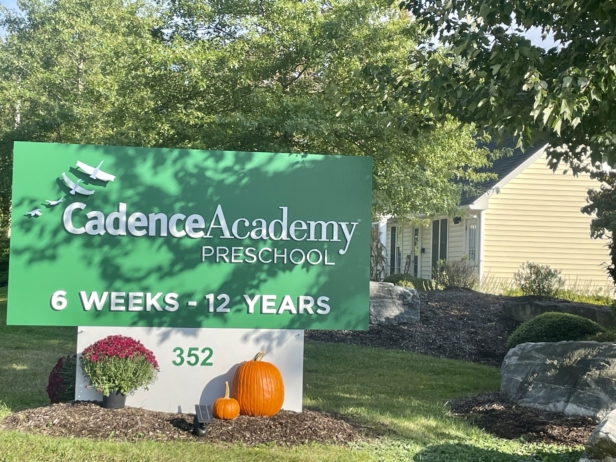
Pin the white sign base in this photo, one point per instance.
(207, 358)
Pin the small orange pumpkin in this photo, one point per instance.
(226, 408)
(258, 387)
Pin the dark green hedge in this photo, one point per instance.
(554, 327)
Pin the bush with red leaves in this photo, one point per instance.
(61, 384)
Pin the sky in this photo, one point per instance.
(9, 3)
(533, 34)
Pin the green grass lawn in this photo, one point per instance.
(399, 392)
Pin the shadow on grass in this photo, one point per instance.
(401, 391)
(468, 453)
(27, 355)
(24, 377)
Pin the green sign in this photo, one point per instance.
(120, 236)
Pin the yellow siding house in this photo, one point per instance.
(530, 213)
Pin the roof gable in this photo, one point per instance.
(504, 166)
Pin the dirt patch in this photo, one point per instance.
(497, 416)
(88, 419)
(455, 324)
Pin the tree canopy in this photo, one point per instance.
(489, 73)
(235, 75)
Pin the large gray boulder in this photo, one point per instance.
(391, 304)
(525, 308)
(601, 444)
(576, 378)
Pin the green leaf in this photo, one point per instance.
(564, 107)
(535, 113)
(547, 112)
(436, 82)
(557, 125)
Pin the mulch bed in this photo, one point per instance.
(497, 416)
(89, 419)
(455, 324)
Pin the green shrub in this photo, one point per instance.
(396, 278)
(592, 297)
(607, 336)
(411, 282)
(539, 280)
(554, 327)
(420, 285)
(460, 274)
(613, 308)
(596, 297)
(407, 284)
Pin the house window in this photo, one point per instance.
(439, 241)
(472, 242)
(393, 243)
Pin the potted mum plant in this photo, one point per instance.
(117, 365)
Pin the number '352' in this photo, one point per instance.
(192, 356)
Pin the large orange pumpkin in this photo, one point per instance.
(258, 387)
(226, 408)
